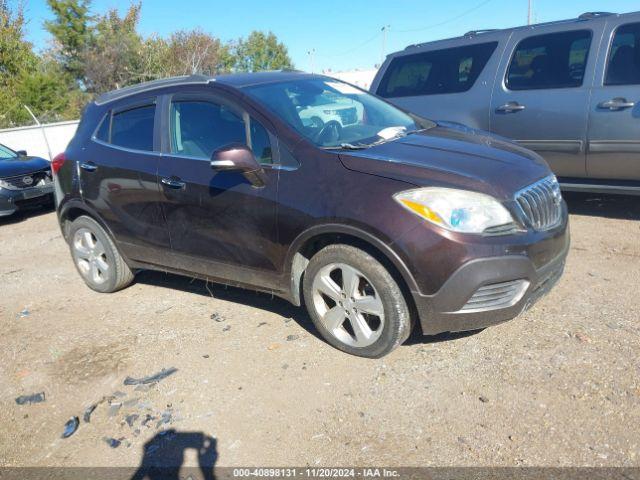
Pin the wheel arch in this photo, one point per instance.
(313, 240)
(72, 210)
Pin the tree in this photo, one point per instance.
(45, 90)
(261, 51)
(15, 52)
(71, 28)
(192, 52)
(16, 59)
(114, 58)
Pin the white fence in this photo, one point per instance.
(32, 138)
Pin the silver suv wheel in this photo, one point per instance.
(96, 257)
(348, 305)
(90, 256)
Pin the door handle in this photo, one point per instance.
(616, 104)
(510, 107)
(173, 182)
(88, 166)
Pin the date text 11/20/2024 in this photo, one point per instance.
(315, 473)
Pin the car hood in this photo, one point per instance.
(452, 155)
(13, 167)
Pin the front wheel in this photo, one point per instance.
(355, 302)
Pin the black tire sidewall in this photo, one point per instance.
(397, 315)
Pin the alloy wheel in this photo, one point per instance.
(90, 256)
(348, 305)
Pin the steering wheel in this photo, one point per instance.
(329, 133)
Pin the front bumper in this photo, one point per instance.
(13, 200)
(448, 309)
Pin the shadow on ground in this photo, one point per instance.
(23, 215)
(270, 303)
(259, 300)
(624, 207)
(163, 456)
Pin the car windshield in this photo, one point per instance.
(6, 153)
(333, 114)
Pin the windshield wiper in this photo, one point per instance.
(348, 146)
(362, 146)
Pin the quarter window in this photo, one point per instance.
(624, 57)
(103, 132)
(451, 70)
(556, 60)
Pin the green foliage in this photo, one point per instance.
(97, 53)
(261, 51)
(23, 77)
(72, 30)
(114, 59)
(15, 53)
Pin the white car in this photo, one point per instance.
(345, 111)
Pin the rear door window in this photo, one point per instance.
(133, 128)
(556, 60)
(624, 57)
(451, 70)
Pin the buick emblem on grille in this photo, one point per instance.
(27, 180)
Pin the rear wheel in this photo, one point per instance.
(96, 257)
(355, 302)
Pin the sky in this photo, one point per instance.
(343, 34)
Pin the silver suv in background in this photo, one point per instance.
(569, 90)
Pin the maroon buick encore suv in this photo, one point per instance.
(318, 192)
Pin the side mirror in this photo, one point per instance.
(238, 157)
(22, 153)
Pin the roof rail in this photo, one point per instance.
(473, 33)
(152, 85)
(592, 15)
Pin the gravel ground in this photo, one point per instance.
(558, 386)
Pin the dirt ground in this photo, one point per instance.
(558, 386)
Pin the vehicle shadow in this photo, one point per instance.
(163, 456)
(260, 300)
(417, 337)
(273, 304)
(26, 214)
(623, 207)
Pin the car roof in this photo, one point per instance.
(236, 80)
(585, 17)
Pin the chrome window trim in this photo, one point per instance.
(125, 149)
(111, 112)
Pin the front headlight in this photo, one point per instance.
(456, 210)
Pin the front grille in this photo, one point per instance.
(348, 115)
(496, 295)
(20, 182)
(541, 204)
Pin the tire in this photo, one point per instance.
(96, 257)
(375, 301)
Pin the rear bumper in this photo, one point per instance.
(13, 200)
(448, 309)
